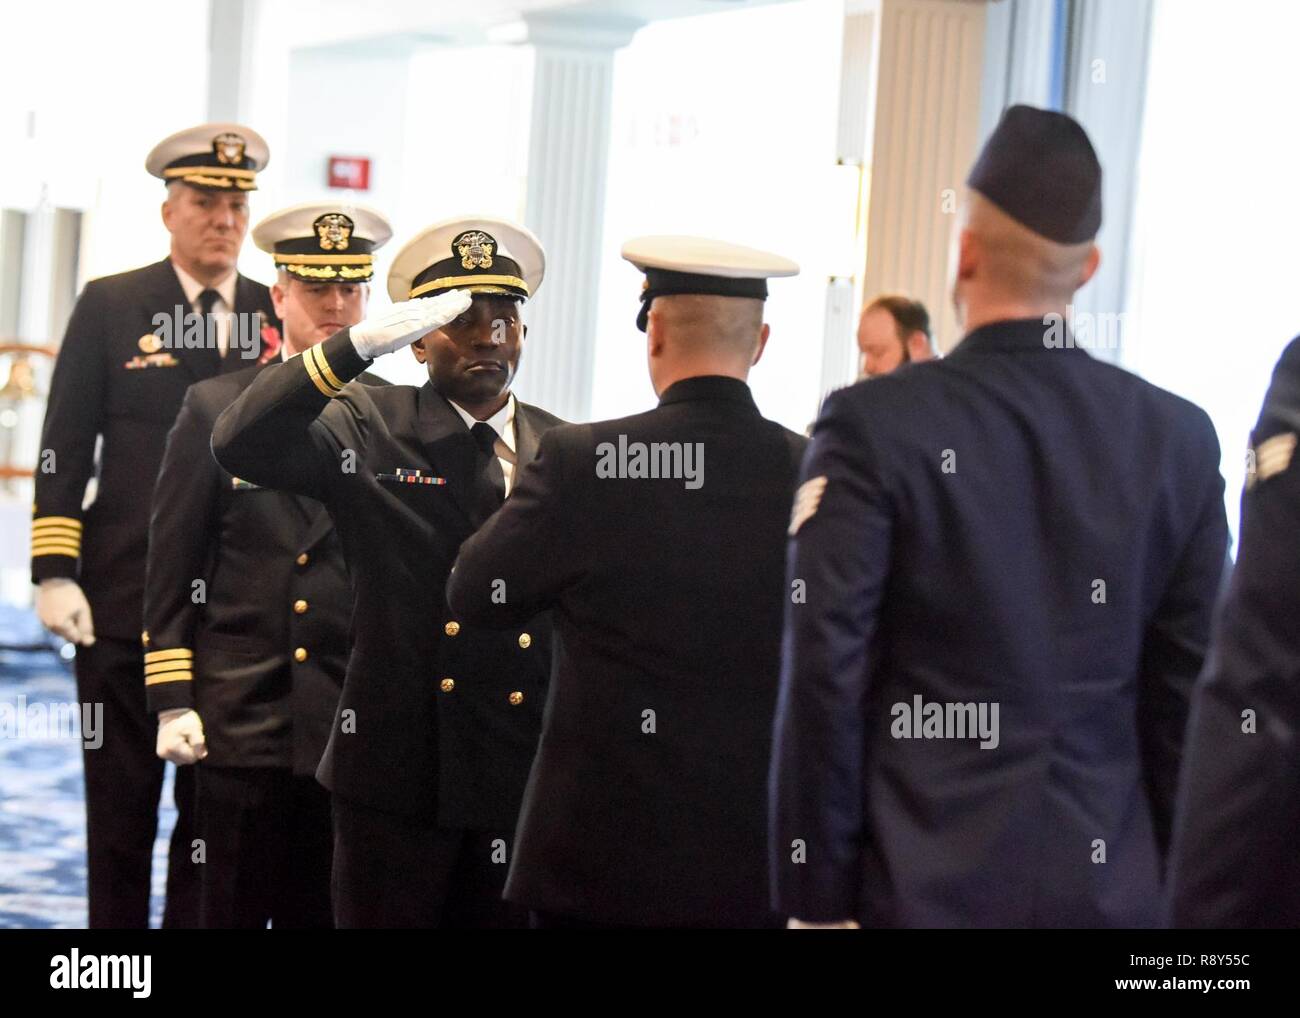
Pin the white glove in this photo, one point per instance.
(843, 924)
(180, 736)
(406, 321)
(64, 610)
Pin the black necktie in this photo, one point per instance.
(491, 478)
(212, 359)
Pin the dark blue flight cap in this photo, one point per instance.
(1040, 169)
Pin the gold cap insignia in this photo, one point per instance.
(334, 230)
(150, 343)
(475, 249)
(228, 148)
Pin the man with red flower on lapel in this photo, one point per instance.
(117, 379)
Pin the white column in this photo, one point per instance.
(1106, 92)
(853, 153)
(568, 152)
(232, 26)
(927, 131)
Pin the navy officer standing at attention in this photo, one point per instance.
(120, 378)
(246, 679)
(1010, 556)
(438, 720)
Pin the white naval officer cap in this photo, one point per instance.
(218, 157)
(675, 264)
(482, 254)
(324, 242)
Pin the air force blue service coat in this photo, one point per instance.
(1026, 530)
(1235, 858)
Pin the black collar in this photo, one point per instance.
(711, 387)
(1018, 335)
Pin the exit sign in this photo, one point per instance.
(352, 172)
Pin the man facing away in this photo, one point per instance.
(1010, 558)
(1234, 861)
(657, 542)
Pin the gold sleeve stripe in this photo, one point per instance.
(168, 667)
(325, 368)
(309, 360)
(55, 548)
(56, 521)
(56, 541)
(57, 530)
(175, 654)
(481, 279)
(156, 680)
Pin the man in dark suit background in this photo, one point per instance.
(248, 604)
(1234, 860)
(438, 719)
(120, 377)
(1010, 558)
(657, 540)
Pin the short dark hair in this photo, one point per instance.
(909, 315)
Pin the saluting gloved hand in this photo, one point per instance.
(406, 321)
(180, 736)
(64, 610)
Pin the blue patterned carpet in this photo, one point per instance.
(42, 820)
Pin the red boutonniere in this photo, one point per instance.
(270, 344)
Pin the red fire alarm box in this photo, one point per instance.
(352, 172)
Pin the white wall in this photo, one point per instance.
(1216, 259)
(86, 90)
(725, 126)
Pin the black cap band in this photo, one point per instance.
(666, 282)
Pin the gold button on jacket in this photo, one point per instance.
(516, 698)
(451, 628)
(447, 685)
(300, 606)
(525, 640)
(300, 655)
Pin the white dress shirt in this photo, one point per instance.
(222, 309)
(503, 423)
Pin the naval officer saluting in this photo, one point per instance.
(246, 680)
(438, 720)
(659, 542)
(118, 380)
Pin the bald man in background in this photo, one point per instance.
(1010, 558)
